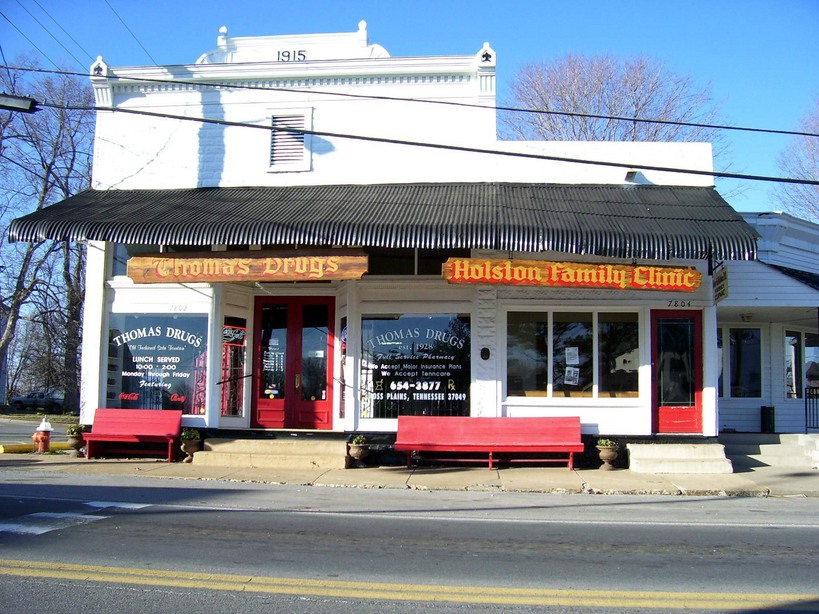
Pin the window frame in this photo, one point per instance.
(725, 379)
(549, 395)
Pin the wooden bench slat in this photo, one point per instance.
(490, 435)
(134, 426)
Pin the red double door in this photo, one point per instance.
(293, 362)
(676, 342)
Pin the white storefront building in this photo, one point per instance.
(302, 232)
(767, 331)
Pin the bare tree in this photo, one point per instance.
(607, 86)
(45, 157)
(800, 160)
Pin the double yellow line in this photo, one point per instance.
(408, 592)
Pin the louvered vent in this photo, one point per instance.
(287, 147)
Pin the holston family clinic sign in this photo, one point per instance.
(570, 274)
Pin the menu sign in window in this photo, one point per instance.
(417, 364)
(157, 361)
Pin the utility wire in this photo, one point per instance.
(47, 31)
(13, 25)
(131, 33)
(434, 102)
(373, 139)
(57, 23)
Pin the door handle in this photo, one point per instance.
(298, 381)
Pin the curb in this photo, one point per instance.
(22, 448)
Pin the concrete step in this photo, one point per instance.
(770, 449)
(698, 458)
(289, 453)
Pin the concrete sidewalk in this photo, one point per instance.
(759, 482)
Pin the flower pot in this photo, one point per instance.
(607, 454)
(359, 450)
(189, 446)
(76, 442)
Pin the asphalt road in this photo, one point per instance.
(145, 545)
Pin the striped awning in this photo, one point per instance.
(619, 221)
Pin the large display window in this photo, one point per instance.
(572, 354)
(157, 361)
(415, 364)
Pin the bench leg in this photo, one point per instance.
(571, 461)
(490, 461)
(409, 459)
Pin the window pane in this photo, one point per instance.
(745, 356)
(572, 354)
(157, 361)
(793, 365)
(720, 392)
(676, 380)
(384, 261)
(122, 253)
(619, 354)
(430, 261)
(274, 351)
(415, 364)
(232, 382)
(811, 360)
(314, 334)
(527, 357)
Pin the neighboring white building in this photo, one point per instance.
(344, 239)
(768, 328)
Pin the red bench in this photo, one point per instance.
(134, 430)
(520, 436)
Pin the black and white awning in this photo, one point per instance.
(617, 221)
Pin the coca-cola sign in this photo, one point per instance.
(234, 335)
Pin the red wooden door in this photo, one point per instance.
(676, 359)
(293, 363)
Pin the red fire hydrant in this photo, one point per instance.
(42, 436)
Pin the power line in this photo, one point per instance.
(57, 23)
(433, 102)
(13, 25)
(131, 33)
(373, 139)
(47, 31)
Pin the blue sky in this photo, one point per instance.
(760, 57)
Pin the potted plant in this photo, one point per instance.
(75, 439)
(191, 440)
(359, 448)
(607, 451)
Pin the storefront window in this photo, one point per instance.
(157, 361)
(720, 392)
(812, 360)
(415, 364)
(745, 358)
(793, 365)
(573, 337)
(232, 382)
(571, 354)
(619, 351)
(527, 354)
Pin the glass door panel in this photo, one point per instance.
(677, 371)
(314, 335)
(293, 357)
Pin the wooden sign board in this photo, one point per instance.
(248, 266)
(570, 274)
